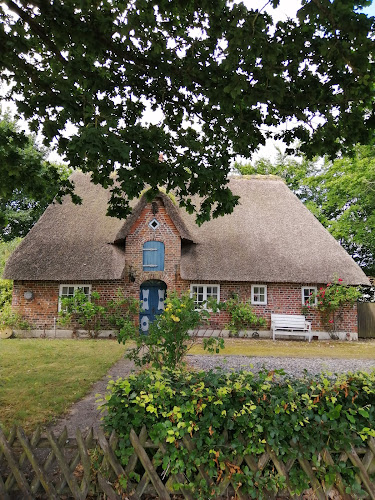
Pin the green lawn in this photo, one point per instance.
(41, 378)
(294, 348)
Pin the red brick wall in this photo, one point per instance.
(42, 310)
(281, 297)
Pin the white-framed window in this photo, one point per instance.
(259, 294)
(69, 291)
(201, 293)
(307, 291)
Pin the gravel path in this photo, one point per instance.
(292, 366)
(84, 414)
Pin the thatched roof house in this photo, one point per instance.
(270, 237)
(271, 251)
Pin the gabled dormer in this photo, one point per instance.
(152, 237)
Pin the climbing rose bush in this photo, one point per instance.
(331, 299)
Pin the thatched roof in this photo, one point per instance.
(270, 237)
(71, 242)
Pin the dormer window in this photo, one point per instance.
(153, 256)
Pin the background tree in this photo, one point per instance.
(340, 193)
(28, 183)
(218, 74)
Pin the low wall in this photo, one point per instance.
(67, 334)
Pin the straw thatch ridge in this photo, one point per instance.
(270, 237)
(171, 210)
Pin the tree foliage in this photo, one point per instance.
(340, 193)
(7, 317)
(28, 183)
(218, 74)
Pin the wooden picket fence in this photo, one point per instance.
(46, 466)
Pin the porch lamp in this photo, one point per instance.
(131, 274)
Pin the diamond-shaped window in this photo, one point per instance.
(154, 224)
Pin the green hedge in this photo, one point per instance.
(232, 414)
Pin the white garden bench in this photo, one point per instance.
(288, 324)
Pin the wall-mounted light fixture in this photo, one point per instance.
(28, 295)
(155, 208)
(131, 274)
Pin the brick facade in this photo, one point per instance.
(42, 310)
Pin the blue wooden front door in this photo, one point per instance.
(152, 302)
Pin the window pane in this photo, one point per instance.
(307, 292)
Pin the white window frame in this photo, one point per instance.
(205, 286)
(258, 302)
(311, 288)
(76, 287)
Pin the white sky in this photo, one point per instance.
(286, 9)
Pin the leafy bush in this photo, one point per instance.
(242, 316)
(83, 311)
(10, 319)
(171, 334)
(229, 415)
(90, 315)
(121, 313)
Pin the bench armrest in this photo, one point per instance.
(308, 325)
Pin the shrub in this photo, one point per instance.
(121, 313)
(229, 415)
(242, 316)
(90, 315)
(11, 319)
(171, 334)
(82, 311)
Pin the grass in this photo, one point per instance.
(41, 378)
(363, 349)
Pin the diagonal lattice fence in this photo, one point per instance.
(48, 466)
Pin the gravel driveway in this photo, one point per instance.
(292, 366)
(84, 413)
